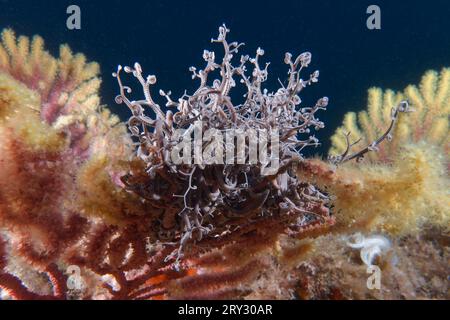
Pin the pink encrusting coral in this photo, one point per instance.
(84, 215)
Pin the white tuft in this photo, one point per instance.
(371, 246)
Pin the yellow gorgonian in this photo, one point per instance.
(61, 92)
(429, 122)
(62, 83)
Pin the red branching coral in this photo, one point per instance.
(50, 126)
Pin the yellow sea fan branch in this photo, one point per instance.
(9, 41)
(439, 131)
(443, 91)
(375, 106)
(37, 50)
(4, 58)
(428, 86)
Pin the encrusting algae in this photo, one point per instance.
(75, 195)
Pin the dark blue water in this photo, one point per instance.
(167, 37)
